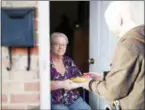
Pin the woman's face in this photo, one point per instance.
(58, 46)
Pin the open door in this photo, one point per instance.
(101, 46)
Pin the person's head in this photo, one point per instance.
(121, 16)
(59, 43)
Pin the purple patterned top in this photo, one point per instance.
(61, 96)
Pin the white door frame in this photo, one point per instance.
(44, 54)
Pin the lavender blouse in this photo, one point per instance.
(61, 96)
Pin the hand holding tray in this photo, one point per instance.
(86, 77)
(79, 79)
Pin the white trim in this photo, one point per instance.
(44, 47)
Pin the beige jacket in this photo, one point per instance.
(125, 82)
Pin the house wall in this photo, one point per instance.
(20, 88)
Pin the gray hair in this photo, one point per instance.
(58, 34)
(133, 10)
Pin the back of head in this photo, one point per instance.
(119, 12)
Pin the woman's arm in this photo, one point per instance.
(56, 85)
(60, 84)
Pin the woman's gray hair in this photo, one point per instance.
(58, 34)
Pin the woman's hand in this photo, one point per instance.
(65, 84)
(60, 84)
(69, 85)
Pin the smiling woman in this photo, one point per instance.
(62, 70)
(59, 43)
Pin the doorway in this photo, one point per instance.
(72, 19)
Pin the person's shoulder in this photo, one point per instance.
(67, 58)
(134, 46)
(133, 42)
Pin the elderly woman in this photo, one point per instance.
(62, 69)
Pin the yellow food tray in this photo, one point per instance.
(79, 79)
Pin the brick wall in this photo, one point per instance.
(20, 88)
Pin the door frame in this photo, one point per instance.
(44, 53)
